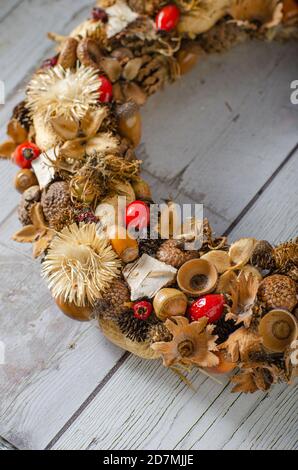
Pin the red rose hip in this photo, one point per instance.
(105, 90)
(167, 18)
(137, 215)
(210, 306)
(142, 310)
(25, 153)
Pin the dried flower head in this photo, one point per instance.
(243, 293)
(192, 343)
(256, 376)
(80, 266)
(63, 93)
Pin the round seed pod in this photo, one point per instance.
(169, 302)
(278, 328)
(142, 189)
(127, 248)
(24, 179)
(111, 67)
(278, 291)
(114, 301)
(188, 57)
(55, 198)
(263, 255)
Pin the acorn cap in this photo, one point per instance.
(278, 291)
(197, 277)
(278, 328)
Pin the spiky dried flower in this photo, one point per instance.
(80, 265)
(63, 93)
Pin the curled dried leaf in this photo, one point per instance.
(7, 149)
(16, 131)
(225, 282)
(243, 294)
(241, 344)
(241, 251)
(67, 129)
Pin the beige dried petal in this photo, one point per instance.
(226, 282)
(112, 68)
(132, 68)
(241, 251)
(73, 149)
(7, 149)
(92, 121)
(241, 344)
(37, 217)
(67, 129)
(219, 258)
(104, 142)
(249, 269)
(42, 243)
(27, 234)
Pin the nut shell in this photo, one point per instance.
(169, 302)
(24, 179)
(197, 277)
(278, 291)
(278, 329)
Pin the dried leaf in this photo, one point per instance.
(42, 243)
(241, 251)
(16, 131)
(67, 129)
(241, 344)
(74, 149)
(244, 383)
(27, 234)
(92, 121)
(243, 293)
(104, 142)
(37, 217)
(7, 149)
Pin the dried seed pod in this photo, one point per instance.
(142, 189)
(248, 269)
(24, 179)
(219, 258)
(197, 277)
(126, 247)
(68, 55)
(111, 67)
(132, 68)
(278, 291)
(188, 57)
(262, 255)
(130, 123)
(172, 252)
(169, 302)
(226, 282)
(241, 251)
(132, 92)
(122, 54)
(73, 311)
(278, 328)
(89, 53)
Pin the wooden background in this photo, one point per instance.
(225, 136)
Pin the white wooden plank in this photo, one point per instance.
(149, 408)
(4, 445)
(7, 7)
(190, 130)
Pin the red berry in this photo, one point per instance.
(25, 153)
(98, 14)
(105, 90)
(210, 306)
(167, 18)
(49, 63)
(137, 215)
(142, 310)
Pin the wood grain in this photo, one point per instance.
(171, 416)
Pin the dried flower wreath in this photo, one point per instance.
(221, 307)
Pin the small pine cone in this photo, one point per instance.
(113, 302)
(153, 74)
(22, 115)
(262, 256)
(158, 333)
(149, 247)
(134, 328)
(55, 199)
(285, 253)
(30, 197)
(172, 252)
(278, 291)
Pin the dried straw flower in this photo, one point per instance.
(80, 266)
(243, 293)
(63, 93)
(192, 343)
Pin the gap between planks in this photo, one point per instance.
(126, 355)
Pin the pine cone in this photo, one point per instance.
(133, 328)
(262, 256)
(30, 197)
(158, 333)
(21, 114)
(278, 291)
(172, 252)
(149, 247)
(55, 199)
(153, 73)
(285, 253)
(112, 304)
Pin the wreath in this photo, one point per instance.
(216, 306)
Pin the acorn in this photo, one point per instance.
(197, 277)
(263, 255)
(123, 244)
(169, 302)
(278, 328)
(24, 179)
(142, 189)
(278, 291)
(73, 311)
(172, 252)
(130, 122)
(114, 301)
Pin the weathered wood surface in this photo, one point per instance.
(216, 137)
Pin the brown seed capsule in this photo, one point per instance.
(278, 291)
(130, 122)
(24, 179)
(89, 53)
(142, 189)
(188, 57)
(68, 55)
(73, 311)
(111, 67)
